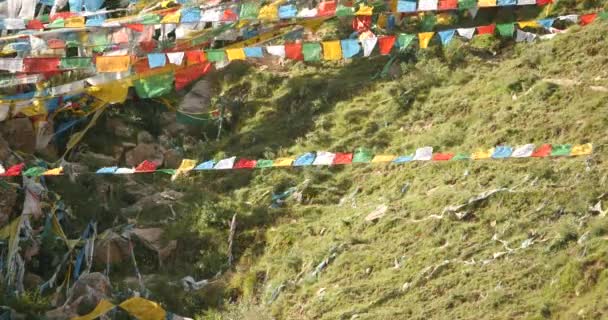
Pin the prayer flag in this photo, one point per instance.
(446, 36)
(111, 92)
(364, 10)
(344, 11)
(489, 29)
(34, 172)
(486, 3)
(112, 63)
(383, 158)
(386, 43)
(216, 55)
(74, 22)
(156, 60)
(462, 156)
(287, 11)
(235, 54)
(505, 30)
(185, 76)
(525, 2)
(278, 51)
(154, 86)
(2, 170)
(403, 159)
(197, 56)
(466, 32)
(190, 15)
(245, 164)
(269, 12)
(442, 156)
(249, 11)
(283, 162)
(523, 151)
(503, 3)
(332, 50)
(75, 63)
(175, 58)
(324, 158)
(528, 24)
(146, 166)
(404, 40)
(40, 65)
(102, 308)
(225, 164)
(107, 170)
(229, 15)
(427, 5)
(586, 19)
(254, 52)
(546, 23)
(326, 8)
(362, 155)
(424, 38)
(264, 163)
(143, 309)
(542, 151)
(482, 154)
(207, 165)
(467, 4)
(543, 2)
(448, 4)
(343, 158)
(53, 172)
(561, 150)
(423, 154)
(124, 171)
(501, 152)
(368, 45)
(406, 6)
(581, 149)
(293, 51)
(362, 23)
(350, 48)
(304, 160)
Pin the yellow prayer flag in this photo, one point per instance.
(102, 308)
(529, 23)
(235, 54)
(112, 92)
(167, 3)
(269, 12)
(37, 108)
(187, 165)
(143, 309)
(482, 154)
(364, 10)
(113, 63)
(283, 162)
(382, 20)
(383, 158)
(172, 18)
(486, 3)
(332, 50)
(581, 149)
(74, 22)
(424, 38)
(53, 172)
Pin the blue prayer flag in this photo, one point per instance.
(446, 36)
(288, 11)
(190, 15)
(93, 5)
(546, 23)
(156, 60)
(107, 170)
(502, 152)
(207, 165)
(506, 2)
(406, 6)
(402, 159)
(304, 160)
(350, 48)
(254, 52)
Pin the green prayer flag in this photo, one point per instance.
(151, 19)
(167, 171)
(249, 10)
(57, 23)
(462, 156)
(264, 163)
(99, 41)
(34, 172)
(75, 63)
(506, 29)
(343, 11)
(467, 4)
(561, 150)
(154, 86)
(603, 15)
(216, 55)
(44, 18)
(311, 51)
(404, 40)
(362, 155)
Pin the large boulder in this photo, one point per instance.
(88, 290)
(20, 134)
(145, 151)
(111, 248)
(153, 239)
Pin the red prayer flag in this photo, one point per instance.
(343, 158)
(195, 57)
(447, 4)
(543, 2)
(489, 29)
(587, 18)
(362, 23)
(56, 43)
(229, 15)
(386, 44)
(442, 156)
(185, 76)
(293, 51)
(38, 65)
(146, 166)
(137, 27)
(14, 170)
(147, 46)
(542, 151)
(141, 65)
(245, 164)
(326, 8)
(35, 24)
(62, 15)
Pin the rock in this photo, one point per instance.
(378, 213)
(173, 158)
(198, 99)
(146, 151)
(153, 239)
(61, 313)
(112, 247)
(5, 151)
(32, 281)
(144, 137)
(8, 200)
(155, 206)
(88, 290)
(20, 134)
(98, 160)
(120, 128)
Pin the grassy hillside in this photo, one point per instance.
(534, 250)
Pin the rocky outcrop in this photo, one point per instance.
(20, 134)
(153, 239)
(88, 290)
(146, 151)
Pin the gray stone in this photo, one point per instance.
(173, 159)
(120, 128)
(20, 135)
(144, 137)
(146, 151)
